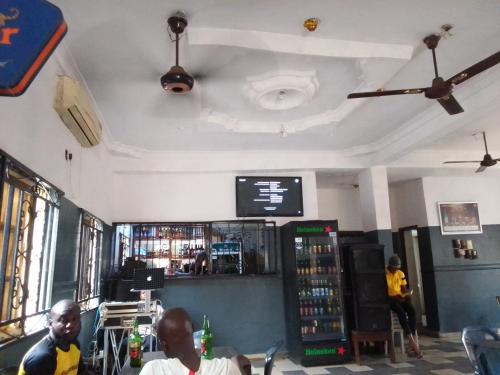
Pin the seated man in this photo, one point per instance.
(175, 333)
(400, 301)
(59, 351)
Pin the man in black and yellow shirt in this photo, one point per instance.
(58, 353)
(400, 301)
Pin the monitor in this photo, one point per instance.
(268, 196)
(148, 278)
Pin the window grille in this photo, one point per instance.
(89, 262)
(29, 209)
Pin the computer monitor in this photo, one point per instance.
(148, 279)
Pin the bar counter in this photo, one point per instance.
(245, 311)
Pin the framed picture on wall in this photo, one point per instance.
(459, 217)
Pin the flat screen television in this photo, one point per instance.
(268, 196)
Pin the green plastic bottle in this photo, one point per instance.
(135, 346)
(207, 350)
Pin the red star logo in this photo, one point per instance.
(328, 229)
(341, 351)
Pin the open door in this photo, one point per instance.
(411, 262)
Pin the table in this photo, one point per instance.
(219, 352)
(359, 336)
(488, 356)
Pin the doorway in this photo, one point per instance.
(410, 253)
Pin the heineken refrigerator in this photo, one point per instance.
(315, 319)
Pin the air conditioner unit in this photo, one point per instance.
(73, 106)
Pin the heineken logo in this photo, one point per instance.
(326, 229)
(316, 352)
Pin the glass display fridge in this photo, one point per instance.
(315, 321)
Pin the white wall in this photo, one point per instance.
(407, 204)
(374, 195)
(342, 204)
(191, 197)
(32, 132)
(483, 189)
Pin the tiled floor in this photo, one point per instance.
(441, 357)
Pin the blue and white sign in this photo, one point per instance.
(30, 30)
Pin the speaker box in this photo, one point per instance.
(373, 318)
(369, 287)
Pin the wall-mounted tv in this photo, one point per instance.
(268, 196)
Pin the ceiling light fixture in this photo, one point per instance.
(311, 24)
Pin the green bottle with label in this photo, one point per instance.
(207, 350)
(135, 346)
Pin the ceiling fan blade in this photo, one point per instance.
(462, 161)
(451, 105)
(480, 169)
(370, 94)
(475, 69)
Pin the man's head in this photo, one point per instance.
(175, 332)
(64, 320)
(394, 263)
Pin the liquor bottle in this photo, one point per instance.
(206, 340)
(135, 346)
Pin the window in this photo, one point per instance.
(89, 265)
(254, 240)
(228, 247)
(29, 209)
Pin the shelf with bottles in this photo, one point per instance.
(319, 307)
(316, 288)
(317, 250)
(322, 317)
(323, 336)
(316, 267)
(318, 329)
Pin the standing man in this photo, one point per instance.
(59, 352)
(175, 332)
(400, 301)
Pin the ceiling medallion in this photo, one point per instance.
(279, 91)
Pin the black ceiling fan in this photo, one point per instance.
(487, 161)
(440, 89)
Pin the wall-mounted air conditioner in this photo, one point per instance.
(73, 106)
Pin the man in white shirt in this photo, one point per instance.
(175, 332)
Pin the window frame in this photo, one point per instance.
(18, 254)
(96, 227)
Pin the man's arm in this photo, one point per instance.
(39, 363)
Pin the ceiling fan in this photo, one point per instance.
(440, 89)
(177, 80)
(487, 161)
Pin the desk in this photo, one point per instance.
(488, 356)
(219, 352)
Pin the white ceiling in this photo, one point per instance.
(122, 49)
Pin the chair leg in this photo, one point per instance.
(391, 350)
(356, 352)
(402, 338)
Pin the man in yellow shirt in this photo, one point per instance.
(57, 353)
(400, 301)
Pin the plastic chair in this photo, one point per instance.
(472, 337)
(397, 329)
(268, 367)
